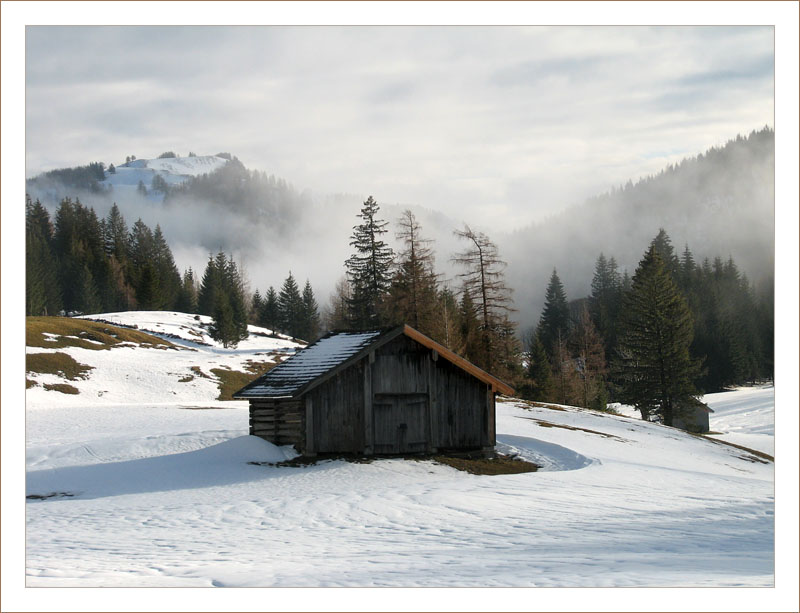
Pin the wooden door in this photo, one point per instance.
(400, 423)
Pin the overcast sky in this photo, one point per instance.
(511, 122)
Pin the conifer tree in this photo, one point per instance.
(368, 269)
(222, 328)
(554, 323)
(116, 235)
(270, 311)
(210, 285)
(311, 324)
(657, 372)
(338, 312)
(187, 296)
(663, 246)
(469, 328)
(290, 307)
(169, 278)
(587, 347)
(222, 292)
(42, 293)
(484, 282)
(256, 304)
(446, 329)
(233, 289)
(412, 296)
(605, 300)
(539, 373)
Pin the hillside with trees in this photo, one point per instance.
(656, 341)
(722, 202)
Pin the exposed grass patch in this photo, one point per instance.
(50, 495)
(64, 388)
(549, 424)
(757, 456)
(56, 363)
(29, 383)
(533, 403)
(498, 465)
(257, 368)
(186, 379)
(230, 381)
(85, 334)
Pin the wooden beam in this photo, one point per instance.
(309, 429)
(432, 404)
(369, 435)
(482, 375)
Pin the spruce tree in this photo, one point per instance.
(605, 300)
(368, 269)
(469, 329)
(290, 307)
(187, 296)
(169, 278)
(554, 323)
(233, 289)
(310, 331)
(42, 293)
(663, 246)
(656, 370)
(222, 291)
(210, 285)
(256, 304)
(270, 311)
(539, 374)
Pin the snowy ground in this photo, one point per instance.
(744, 416)
(161, 494)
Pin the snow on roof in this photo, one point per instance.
(308, 364)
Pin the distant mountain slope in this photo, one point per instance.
(125, 179)
(720, 203)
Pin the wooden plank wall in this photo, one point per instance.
(458, 409)
(462, 415)
(281, 422)
(338, 406)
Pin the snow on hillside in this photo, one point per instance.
(173, 170)
(744, 416)
(136, 374)
(151, 484)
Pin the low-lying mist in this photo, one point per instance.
(720, 204)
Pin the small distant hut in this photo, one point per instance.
(692, 415)
(375, 392)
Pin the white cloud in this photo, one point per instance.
(461, 119)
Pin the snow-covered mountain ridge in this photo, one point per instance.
(126, 176)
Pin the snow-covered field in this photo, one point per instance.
(154, 488)
(744, 416)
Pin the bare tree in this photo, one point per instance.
(412, 295)
(484, 282)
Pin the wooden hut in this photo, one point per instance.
(375, 392)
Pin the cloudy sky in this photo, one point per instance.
(512, 122)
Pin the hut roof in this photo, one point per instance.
(314, 364)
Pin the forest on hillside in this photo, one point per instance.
(721, 202)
